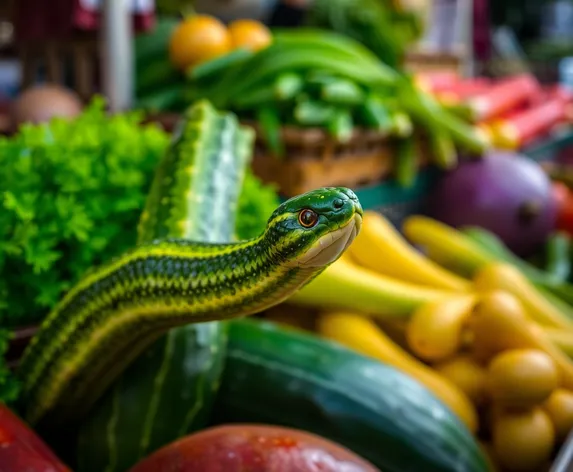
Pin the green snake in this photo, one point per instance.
(118, 309)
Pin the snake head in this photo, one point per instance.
(312, 230)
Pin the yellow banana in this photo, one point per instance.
(380, 247)
(435, 331)
(361, 334)
(445, 245)
(345, 285)
(500, 276)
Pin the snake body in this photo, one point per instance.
(117, 310)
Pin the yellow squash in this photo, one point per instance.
(435, 330)
(523, 441)
(499, 323)
(500, 276)
(469, 375)
(522, 378)
(446, 245)
(361, 334)
(562, 338)
(345, 285)
(559, 407)
(380, 247)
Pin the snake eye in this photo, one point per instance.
(307, 218)
(338, 203)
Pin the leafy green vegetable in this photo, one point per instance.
(70, 197)
(256, 204)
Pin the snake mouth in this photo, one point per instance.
(331, 246)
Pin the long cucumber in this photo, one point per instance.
(168, 391)
(119, 309)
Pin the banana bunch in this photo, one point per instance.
(474, 330)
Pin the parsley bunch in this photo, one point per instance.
(71, 193)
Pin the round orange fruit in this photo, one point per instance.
(198, 39)
(249, 34)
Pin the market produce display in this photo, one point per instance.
(188, 362)
(439, 343)
(491, 339)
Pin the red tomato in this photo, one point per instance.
(564, 198)
(253, 448)
(21, 450)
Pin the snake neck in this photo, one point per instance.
(146, 292)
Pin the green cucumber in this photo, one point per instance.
(278, 376)
(169, 390)
(342, 92)
(313, 113)
(375, 115)
(165, 394)
(341, 126)
(402, 125)
(288, 85)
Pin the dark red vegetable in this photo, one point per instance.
(505, 193)
(21, 450)
(253, 448)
